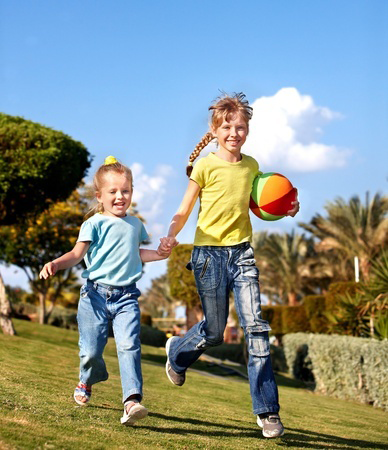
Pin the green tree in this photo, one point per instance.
(37, 166)
(182, 283)
(31, 244)
(282, 261)
(157, 300)
(351, 229)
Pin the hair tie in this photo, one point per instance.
(110, 160)
(190, 163)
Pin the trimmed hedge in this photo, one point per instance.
(273, 314)
(342, 366)
(294, 319)
(315, 306)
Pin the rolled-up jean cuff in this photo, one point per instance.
(267, 409)
(133, 392)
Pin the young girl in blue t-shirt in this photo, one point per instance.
(223, 259)
(109, 243)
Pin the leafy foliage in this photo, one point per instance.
(351, 229)
(314, 306)
(182, 282)
(283, 264)
(343, 366)
(157, 300)
(29, 245)
(38, 166)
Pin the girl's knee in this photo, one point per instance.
(210, 342)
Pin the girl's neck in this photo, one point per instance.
(226, 155)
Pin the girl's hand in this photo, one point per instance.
(168, 243)
(296, 205)
(49, 270)
(164, 253)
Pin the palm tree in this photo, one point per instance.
(157, 300)
(283, 260)
(351, 229)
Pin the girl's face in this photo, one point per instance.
(232, 134)
(115, 194)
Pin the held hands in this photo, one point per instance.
(292, 212)
(166, 245)
(49, 270)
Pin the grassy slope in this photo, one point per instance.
(39, 369)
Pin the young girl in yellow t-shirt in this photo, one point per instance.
(223, 259)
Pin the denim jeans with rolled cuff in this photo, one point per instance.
(217, 271)
(100, 304)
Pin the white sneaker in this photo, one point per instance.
(136, 412)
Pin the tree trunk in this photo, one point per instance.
(5, 311)
(193, 315)
(42, 308)
(292, 301)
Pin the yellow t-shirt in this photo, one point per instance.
(223, 217)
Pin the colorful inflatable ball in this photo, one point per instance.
(271, 196)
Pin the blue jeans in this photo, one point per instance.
(98, 305)
(217, 271)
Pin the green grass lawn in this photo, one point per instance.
(39, 370)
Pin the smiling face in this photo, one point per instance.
(115, 194)
(231, 134)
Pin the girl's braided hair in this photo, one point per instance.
(223, 108)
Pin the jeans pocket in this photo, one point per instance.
(207, 271)
(258, 344)
(84, 291)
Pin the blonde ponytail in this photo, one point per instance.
(207, 138)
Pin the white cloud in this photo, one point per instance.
(149, 193)
(285, 130)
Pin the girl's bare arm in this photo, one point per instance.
(65, 261)
(184, 211)
(147, 255)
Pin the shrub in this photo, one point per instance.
(64, 318)
(315, 306)
(336, 290)
(152, 336)
(343, 366)
(146, 319)
(273, 314)
(295, 348)
(232, 352)
(294, 319)
(235, 353)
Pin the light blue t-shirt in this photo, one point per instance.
(113, 257)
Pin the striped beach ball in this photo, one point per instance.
(271, 196)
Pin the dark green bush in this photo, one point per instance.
(152, 336)
(64, 318)
(232, 352)
(146, 319)
(336, 290)
(315, 306)
(235, 353)
(273, 314)
(294, 319)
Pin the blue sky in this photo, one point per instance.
(135, 79)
